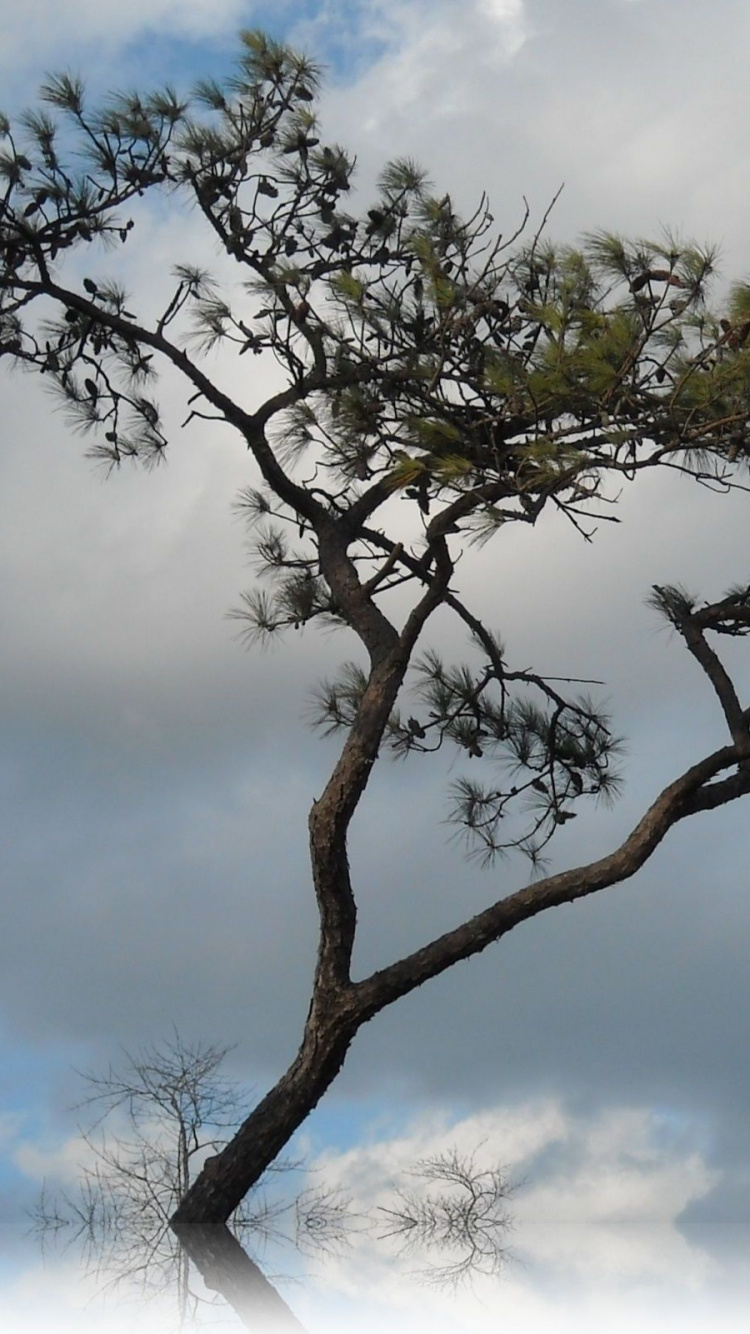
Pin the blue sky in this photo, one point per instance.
(156, 777)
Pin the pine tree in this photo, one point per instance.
(438, 379)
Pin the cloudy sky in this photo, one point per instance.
(156, 776)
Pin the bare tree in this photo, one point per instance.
(156, 1115)
(438, 379)
(463, 1215)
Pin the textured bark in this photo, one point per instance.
(227, 1177)
(336, 1011)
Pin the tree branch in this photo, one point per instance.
(689, 624)
(689, 793)
(249, 425)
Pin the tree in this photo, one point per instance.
(176, 1107)
(440, 383)
(465, 1217)
(152, 1118)
(157, 1114)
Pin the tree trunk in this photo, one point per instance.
(227, 1269)
(338, 1010)
(227, 1177)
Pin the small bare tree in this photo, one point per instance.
(462, 1215)
(157, 1115)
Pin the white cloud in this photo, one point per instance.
(61, 1162)
(42, 29)
(42, 1159)
(512, 1137)
(508, 14)
(9, 1124)
(595, 1244)
(57, 1296)
(597, 1221)
(620, 1167)
(615, 1170)
(420, 79)
(64, 1162)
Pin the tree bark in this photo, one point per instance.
(227, 1177)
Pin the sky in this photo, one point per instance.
(156, 775)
